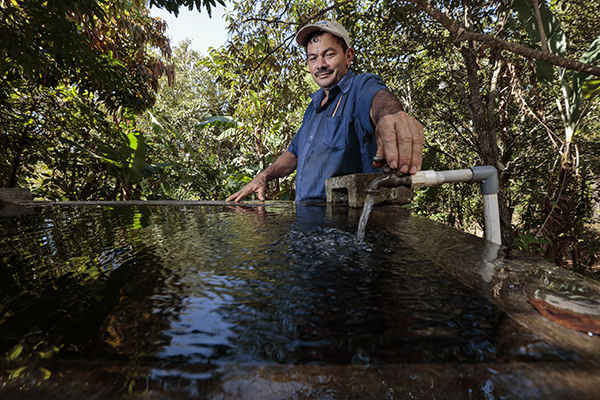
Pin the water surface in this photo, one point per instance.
(224, 285)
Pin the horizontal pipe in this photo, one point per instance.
(433, 178)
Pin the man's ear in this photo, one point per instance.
(349, 56)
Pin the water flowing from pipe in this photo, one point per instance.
(362, 225)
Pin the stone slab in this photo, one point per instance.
(14, 195)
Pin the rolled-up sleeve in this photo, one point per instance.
(369, 85)
(293, 147)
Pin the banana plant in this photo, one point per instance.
(577, 90)
(126, 163)
(575, 86)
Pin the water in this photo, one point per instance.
(364, 217)
(194, 292)
(216, 286)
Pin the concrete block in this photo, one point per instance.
(351, 190)
(15, 195)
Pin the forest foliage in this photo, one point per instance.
(97, 105)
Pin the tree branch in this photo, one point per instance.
(300, 25)
(320, 13)
(268, 21)
(460, 34)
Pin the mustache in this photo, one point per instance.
(323, 71)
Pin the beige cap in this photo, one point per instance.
(332, 27)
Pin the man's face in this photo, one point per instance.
(326, 60)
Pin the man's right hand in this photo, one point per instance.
(258, 185)
(400, 140)
(283, 166)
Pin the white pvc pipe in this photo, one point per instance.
(459, 175)
(492, 218)
(433, 178)
(490, 200)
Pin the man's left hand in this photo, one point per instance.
(400, 140)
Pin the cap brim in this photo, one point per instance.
(305, 32)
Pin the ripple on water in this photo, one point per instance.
(217, 286)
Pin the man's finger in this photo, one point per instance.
(243, 193)
(416, 144)
(239, 195)
(233, 196)
(417, 153)
(260, 193)
(386, 142)
(404, 138)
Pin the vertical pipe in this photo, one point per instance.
(490, 186)
(492, 218)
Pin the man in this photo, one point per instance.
(350, 119)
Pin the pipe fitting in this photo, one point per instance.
(488, 176)
(425, 179)
(390, 178)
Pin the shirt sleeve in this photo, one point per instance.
(369, 84)
(293, 148)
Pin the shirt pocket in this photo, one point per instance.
(335, 137)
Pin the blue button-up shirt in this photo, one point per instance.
(328, 145)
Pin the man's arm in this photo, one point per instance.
(284, 165)
(399, 136)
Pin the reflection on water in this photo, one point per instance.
(217, 285)
(74, 283)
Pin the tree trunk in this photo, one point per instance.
(13, 179)
(559, 222)
(484, 124)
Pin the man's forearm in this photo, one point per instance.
(384, 103)
(283, 166)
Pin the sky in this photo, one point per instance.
(205, 32)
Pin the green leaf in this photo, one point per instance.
(240, 177)
(45, 373)
(81, 148)
(590, 88)
(222, 121)
(161, 132)
(544, 71)
(110, 155)
(14, 352)
(138, 160)
(429, 158)
(227, 133)
(555, 36)
(16, 373)
(584, 83)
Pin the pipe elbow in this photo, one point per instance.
(487, 175)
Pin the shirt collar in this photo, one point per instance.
(343, 85)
